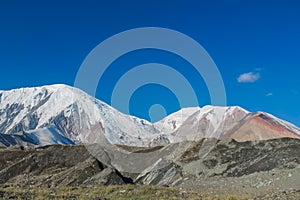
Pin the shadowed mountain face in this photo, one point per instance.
(60, 114)
(230, 167)
(40, 137)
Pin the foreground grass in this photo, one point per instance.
(128, 192)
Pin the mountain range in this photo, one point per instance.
(61, 114)
(58, 137)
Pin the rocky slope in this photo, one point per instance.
(252, 169)
(53, 166)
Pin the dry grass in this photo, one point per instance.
(128, 192)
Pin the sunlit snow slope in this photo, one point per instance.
(63, 114)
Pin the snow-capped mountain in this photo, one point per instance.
(173, 121)
(261, 126)
(63, 114)
(234, 122)
(208, 122)
(75, 114)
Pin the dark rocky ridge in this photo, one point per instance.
(52, 166)
(255, 168)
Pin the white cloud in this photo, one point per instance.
(269, 94)
(249, 77)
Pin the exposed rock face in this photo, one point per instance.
(233, 159)
(53, 166)
(260, 126)
(167, 175)
(108, 176)
(230, 166)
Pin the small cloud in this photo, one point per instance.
(249, 77)
(269, 94)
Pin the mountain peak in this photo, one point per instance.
(73, 112)
(82, 118)
(50, 86)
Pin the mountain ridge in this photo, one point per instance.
(82, 118)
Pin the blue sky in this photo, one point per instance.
(255, 45)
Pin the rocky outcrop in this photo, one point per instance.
(210, 164)
(53, 166)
